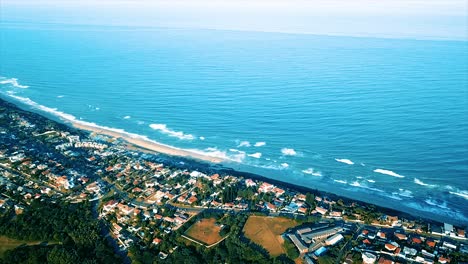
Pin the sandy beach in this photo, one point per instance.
(146, 144)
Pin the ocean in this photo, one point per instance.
(378, 120)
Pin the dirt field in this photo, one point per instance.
(205, 231)
(266, 231)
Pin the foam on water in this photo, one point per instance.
(165, 130)
(288, 152)
(388, 172)
(405, 193)
(433, 202)
(260, 144)
(256, 155)
(243, 144)
(13, 82)
(312, 172)
(345, 161)
(127, 117)
(341, 181)
(463, 194)
(419, 182)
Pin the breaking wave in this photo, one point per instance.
(341, 181)
(260, 144)
(243, 144)
(13, 81)
(178, 134)
(216, 153)
(419, 182)
(346, 161)
(312, 172)
(389, 172)
(255, 155)
(288, 152)
(127, 117)
(463, 194)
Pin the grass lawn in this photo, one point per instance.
(266, 231)
(8, 243)
(205, 231)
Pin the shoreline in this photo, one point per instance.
(206, 162)
(144, 143)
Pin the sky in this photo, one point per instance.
(419, 19)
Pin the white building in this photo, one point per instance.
(368, 258)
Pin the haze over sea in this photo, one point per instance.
(380, 120)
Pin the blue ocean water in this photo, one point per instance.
(379, 120)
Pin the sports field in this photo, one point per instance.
(266, 231)
(205, 231)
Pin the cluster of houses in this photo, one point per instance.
(147, 188)
(394, 245)
(126, 222)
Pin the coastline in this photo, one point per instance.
(209, 163)
(144, 143)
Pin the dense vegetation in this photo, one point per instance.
(71, 231)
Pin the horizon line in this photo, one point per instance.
(393, 37)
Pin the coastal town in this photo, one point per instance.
(157, 206)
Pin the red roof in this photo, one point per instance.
(365, 232)
(400, 236)
(444, 260)
(383, 260)
(366, 241)
(430, 243)
(390, 247)
(416, 240)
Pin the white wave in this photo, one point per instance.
(288, 152)
(260, 144)
(346, 161)
(419, 182)
(284, 165)
(212, 152)
(140, 122)
(438, 209)
(362, 164)
(216, 153)
(394, 196)
(359, 177)
(127, 117)
(14, 82)
(463, 194)
(243, 144)
(312, 172)
(435, 203)
(341, 181)
(270, 167)
(363, 185)
(201, 138)
(389, 172)
(178, 134)
(236, 150)
(60, 96)
(255, 155)
(405, 193)
(371, 181)
(355, 184)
